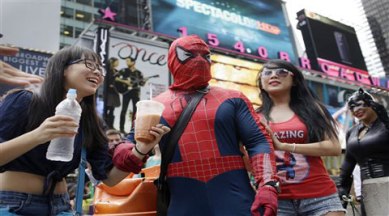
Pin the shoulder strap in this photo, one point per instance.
(178, 129)
(81, 182)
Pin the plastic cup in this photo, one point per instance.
(148, 114)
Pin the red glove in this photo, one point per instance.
(266, 199)
(125, 160)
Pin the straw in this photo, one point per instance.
(151, 91)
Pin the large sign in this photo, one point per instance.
(241, 75)
(255, 27)
(333, 48)
(141, 72)
(328, 40)
(29, 61)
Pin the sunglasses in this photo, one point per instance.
(90, 65)
(280, 72)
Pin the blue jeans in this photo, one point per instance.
(16, 203)
(310, 207)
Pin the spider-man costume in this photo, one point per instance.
(207, 175)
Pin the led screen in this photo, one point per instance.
(255, 27)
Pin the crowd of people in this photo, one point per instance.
(284, 140)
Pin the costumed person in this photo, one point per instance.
(28, 123)
(207, 174)
(303, 131)
(113, 98)
(367, 146)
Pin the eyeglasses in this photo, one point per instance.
(280, 72)
(90, 65)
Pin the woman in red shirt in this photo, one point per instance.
(303, 130)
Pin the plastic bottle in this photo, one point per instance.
(61, 149)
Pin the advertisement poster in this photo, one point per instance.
(29, 61)
(258, 29)
(237, 74)
(140, 73)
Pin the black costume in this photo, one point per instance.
(371, 152)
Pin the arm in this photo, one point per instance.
(13, 76)
(260, 149)
(127, 158)
(51, 128)
(345, 178)
(14, 117)
(326, 147)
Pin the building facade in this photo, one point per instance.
(377, 14)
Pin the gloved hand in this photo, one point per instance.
(125, 160)
(343, 192)
(266, 199)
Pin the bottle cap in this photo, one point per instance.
(72, 91)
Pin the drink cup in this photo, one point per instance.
(148, 114)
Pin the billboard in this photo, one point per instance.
(26, 60)
(140, 73)
(237, 74)
(331, 47)
(255, 27)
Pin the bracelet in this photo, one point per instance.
(294, 147)
(141, 153)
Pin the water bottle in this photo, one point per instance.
(61, 149)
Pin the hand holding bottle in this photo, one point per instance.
(61, 149)
(55, 127)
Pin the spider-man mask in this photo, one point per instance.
(190, 63)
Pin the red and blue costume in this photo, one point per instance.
(207, 175)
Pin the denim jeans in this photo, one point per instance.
(310, 207)
(16, 203)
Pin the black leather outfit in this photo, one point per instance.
(371, 152)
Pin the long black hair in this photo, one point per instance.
(304, 103)
(53, 91)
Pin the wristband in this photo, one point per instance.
(294, 147)
(139, 152)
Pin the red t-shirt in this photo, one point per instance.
(301, 176)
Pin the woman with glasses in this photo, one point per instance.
(29, 183)
(367, 146)
(302, 131)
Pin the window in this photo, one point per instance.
(67, 30)
(77, 32)
(83, 16)
(85, 2)
(67, 12)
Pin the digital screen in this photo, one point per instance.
(237, 74)
(29, 61)
(255, 27)
(331, 41)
